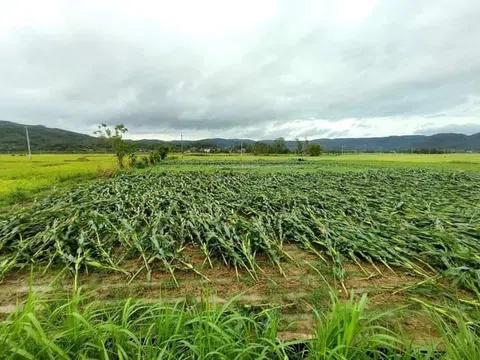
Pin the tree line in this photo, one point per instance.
(126, 152)
(278, 147)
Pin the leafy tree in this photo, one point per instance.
(299, 146)
(154, 157)
(314, 149)
(158, 154)
(163, 150)
(278, 146)
(114, 138)
(258, 148)
(132, 159)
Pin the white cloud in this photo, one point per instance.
(353, 10)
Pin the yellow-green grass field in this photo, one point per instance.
(426, 159)
(22, 179)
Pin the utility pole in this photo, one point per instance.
(241, 147)
(28, 144)
(342, 148)
(181, 144)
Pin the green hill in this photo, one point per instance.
(42, 138)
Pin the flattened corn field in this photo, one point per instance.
(277, 237)
(422, 221)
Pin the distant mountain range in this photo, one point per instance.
(42, 138)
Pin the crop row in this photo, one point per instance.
(425, 221)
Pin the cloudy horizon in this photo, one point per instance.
(243, 69)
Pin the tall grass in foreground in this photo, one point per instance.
(74, 328)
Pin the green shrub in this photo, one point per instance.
(17, 196)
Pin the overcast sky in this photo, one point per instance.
(251, 68)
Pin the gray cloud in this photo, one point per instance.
(402, 62)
